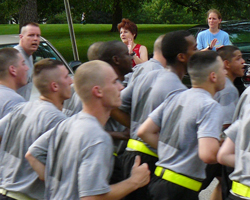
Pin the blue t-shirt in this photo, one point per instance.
(204, 39)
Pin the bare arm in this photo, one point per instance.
(208, 149)
(149, 132)
(38, 167)
(226, 154)
(140, 176)
(143, 55)
(125, 135)
(121, 116)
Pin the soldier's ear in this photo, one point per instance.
(226, 64)
(97, 91)
(115, 59)
(213, 77)
(182, 57)
(54, 86)
(12, 70)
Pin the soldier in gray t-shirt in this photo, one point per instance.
(241, 175)
(28, 44)
(186, 130)
(13, 76)
(147, 92)
(29, 120)
(228, 97)
(78, 152)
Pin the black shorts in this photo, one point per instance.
(233, 197)
(212, 171)
(127, 164)
(160, 189)
(117, 175)
(226, 183)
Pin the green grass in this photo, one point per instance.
(58, 35)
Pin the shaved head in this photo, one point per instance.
(93, 51)
(87, 76)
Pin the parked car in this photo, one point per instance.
(45, 50)
(239, 34)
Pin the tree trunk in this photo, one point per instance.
(117, 15)
(27, 12)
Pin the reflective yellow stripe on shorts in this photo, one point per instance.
(141, 147)
(241, 189)
(178, 179)
(15, 195)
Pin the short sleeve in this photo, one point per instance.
(3, 124)
(39, 148)
(227, 40)
(232, 130)
(126, 96)
(210, 121)
(199, 41)
(94, 170)
(156, 115)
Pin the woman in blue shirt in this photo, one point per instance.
(212, 38)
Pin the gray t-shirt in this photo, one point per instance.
(243, 101)
(184, 118)
(241, 171)
(8, 99)
(228, 98)
(25, 91)
(79, 158)
(145, 67)
(232, 130)
(146, 93)
(24, 125)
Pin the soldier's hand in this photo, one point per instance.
(140, 174)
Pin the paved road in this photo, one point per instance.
(205, 194)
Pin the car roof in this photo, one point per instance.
(232, 25)
(11, 39)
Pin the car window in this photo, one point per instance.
(7, 45)
(44, 51)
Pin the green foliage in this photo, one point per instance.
(161, 12)
(140, 11)
(58, 19)
(9, 10)
(47, 9)
(62, 19)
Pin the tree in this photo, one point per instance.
(27, 12)
(117, 15)
(237, 8)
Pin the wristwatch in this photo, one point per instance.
(132, 54)
(209, 48)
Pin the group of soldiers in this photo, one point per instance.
(61, 147)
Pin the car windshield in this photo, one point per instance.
(43, 51)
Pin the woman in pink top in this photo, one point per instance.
(128, 33)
